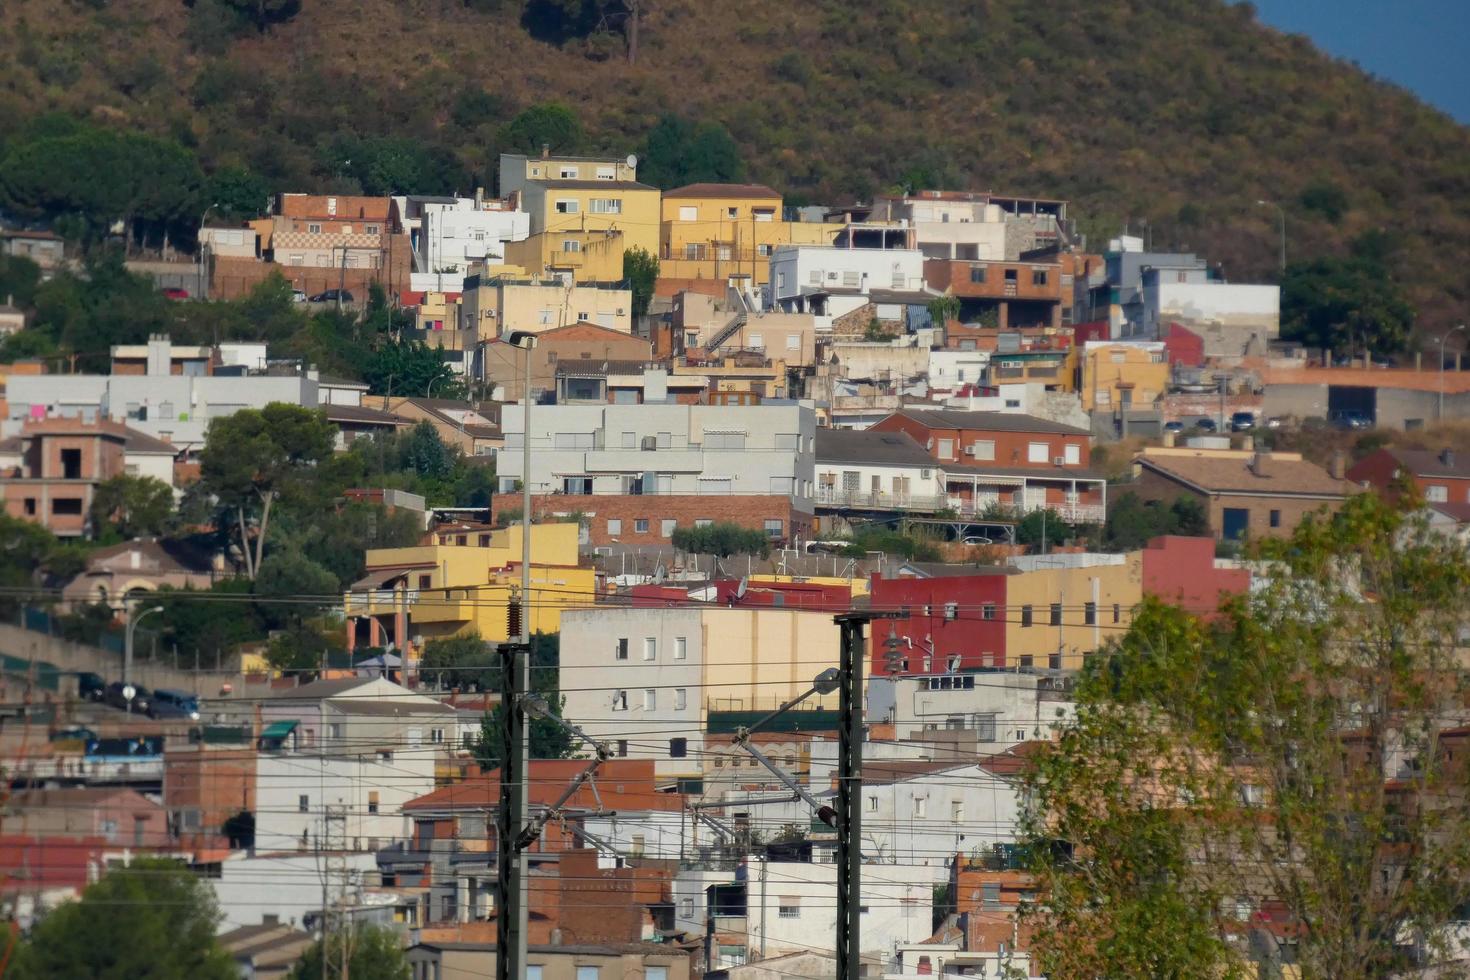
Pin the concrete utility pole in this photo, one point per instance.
(133, 622)
(510, 817)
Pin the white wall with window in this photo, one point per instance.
(453, 235)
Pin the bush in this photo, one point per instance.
(723, 540)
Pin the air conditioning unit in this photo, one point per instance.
(969, 450)
(602, 550)
(650, 443)
(1059, 460)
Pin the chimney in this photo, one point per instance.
(1248, 442)
(545, 150)
(1169, 438)
(1447, 457)
(1258, 463)
(1337, 465)
(479, 198)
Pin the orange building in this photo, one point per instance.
(54, 469)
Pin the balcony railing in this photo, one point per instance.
(827, 496)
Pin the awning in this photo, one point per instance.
(279, 729)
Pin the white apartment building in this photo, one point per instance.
(288, 887)
(299, 797)
(455, 232)
(719, 450)
(860, 468)
(831, 281)
(950, 370)
(786, 907)
(645, 680)
(1000, 708)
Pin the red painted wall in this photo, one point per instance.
(1183, 346)
(968, 633)
(789, 595)
(1182, 571)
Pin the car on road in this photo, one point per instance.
(175, 292)
(1350, 420)
(333, 296)
(1242, 421)
(90, 686)
(298, 296)
(1175, 426)
(1276, 422)
(1205, 424)
(186, 704)
(142, 698)
(975, 539)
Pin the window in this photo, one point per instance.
(650, 648)
(951, 611)
(732, 212)
(566, 207)
(977, 273)
(985, 727)
(67, 508)
(693, 251)
(1025, 616)
(640, 526)
(372, 801)
(571, 245)
(1056, 614)
(793, 341)
(576, 484)
(605, 205)
(1117, 612)
(622, 653)
(872, 804)
(303, 803)
(650, 699)
(666, 527)
(30, 506)
(71, 464)
(1038, 277)
(680, 699)
(655, 973)
(921, 806)
(312, 229)
(620, 701)
(987, 611)
(686, 908)
(681, 647)
(436, 736)
(946, 449)
(1073, 455)
(532, 973)
(788, 440)
(724, 440)
(424, 581)
(622, 748)
(575, 440)
(1037, 452)
(607, 173)
(567, 172)
(788, 907)
(589, 972)
(614, 526)
(678, 748)
(639, 842)
(1275, 518)
(370, 229)
(990, 894)
(1010, 275)
(773, 527)
(983, 449)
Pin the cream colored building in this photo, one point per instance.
(646, 679)
(713, 231)
(1063, 606)
(495, 307)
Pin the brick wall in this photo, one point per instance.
(1289, 510)
(683, 509)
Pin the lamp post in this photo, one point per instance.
(133, 622)
(1439, 413)
(1281, 211)
(203, 282)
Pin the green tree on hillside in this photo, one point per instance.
(1294, 762)
(678, 152)
(132, 506)
(237, 193)
(153, 918)
(412, 368)
(640, 269)
(1345, 303)
(546, 124)
(1132, 523)
(722, 539)
(548, 739)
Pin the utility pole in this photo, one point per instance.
(510, 817)
(850, 788)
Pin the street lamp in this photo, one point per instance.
(1281, 211)
(1439, 414)
(133, 622)
(525, 340)
(203, 282)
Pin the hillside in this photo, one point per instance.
(1170, 115)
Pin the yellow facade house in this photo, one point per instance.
(494, 307)
(583, 227)
(713, 231)
(1115, 376)
(1061, 607)
(409, 596)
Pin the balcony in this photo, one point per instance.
(831, 496)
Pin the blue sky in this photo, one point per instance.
(1419, 44)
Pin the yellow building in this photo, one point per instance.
(1115, 376)
(437, 311)
(409, 596)
(494, 307)
(1060, 607)
(713, 231)
(583, 227)
(517, 169)
(742, 379)
(858, 584)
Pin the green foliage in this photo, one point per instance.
(944, 309)
(548, 739)
(376, 954)
(474, 107)
(876, 333)
(678, 152)
(466, 662)
(298, 585)
(27, 552)
(238, 193)
(408, 368)
(640, 271)
(1325, 198)
(1043, 528)
(1342, 303)
(1132, 523)
(19, 277)
(1216, 771)
(132, 506)
(394, 165)
(210, 622)
(913, 545)
(723, 539)
(154, 918)
(265, 13)
(303, 647)
(549, 123)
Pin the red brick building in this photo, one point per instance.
(1010, 461)
(60, 463)
(1440, 478)
(1017, 293)
(650, 519)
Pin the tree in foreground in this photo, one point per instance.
(374, 953)
(1295, 767)
(640, 269)
(722, 539)
(153, 918)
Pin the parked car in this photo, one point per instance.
(186, 704)
(298, 296)
(90, 686)
(175, 292)
(333, 296)
(1351, 420)
(1242, 421)
(142, 698)
(164, 710)
(1276, 422)
(1205, 424)
(74, 733)
(1175, 426)
(976, 540)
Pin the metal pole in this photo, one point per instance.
(1439, 414)
(510, 817)
(849, 798)
(133, 622)
(527, 606)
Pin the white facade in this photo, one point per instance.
(664, 449)
(797, 271)
(1001, 709)
(655, 835)
(953, 369)
(288, 886)
(295, 793)
(878, 484)
(1027, 398)
(1233, 319)
(454, 235)
(792, 907)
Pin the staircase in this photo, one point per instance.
(727, 331)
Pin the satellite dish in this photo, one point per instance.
(632, 160)
(740, 589)
(659, 572)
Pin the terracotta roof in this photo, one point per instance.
(1266, 474)
(354, 413)
(944, 418)
(722, 191)
(179, 556)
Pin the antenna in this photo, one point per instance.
(740, 589)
